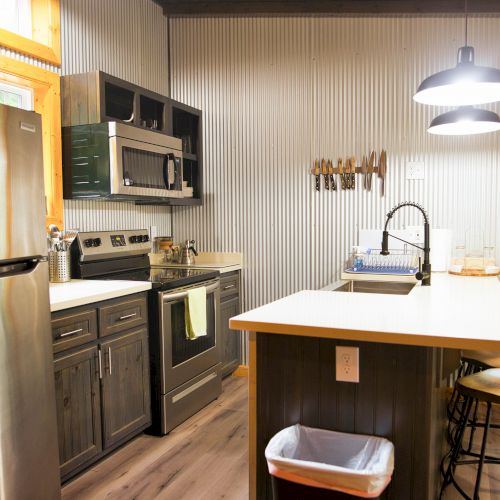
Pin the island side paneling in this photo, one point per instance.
(400, 396)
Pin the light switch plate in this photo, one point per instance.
(415, 171)
(347, 364)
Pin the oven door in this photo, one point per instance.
(183, 359)
(142, 169)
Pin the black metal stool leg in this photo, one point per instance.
(473, 425)
(457, 446)
(483, 452)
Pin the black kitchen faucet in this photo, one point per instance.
(424, 273)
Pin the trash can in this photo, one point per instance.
(318, 464)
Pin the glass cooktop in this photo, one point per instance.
(163, 278)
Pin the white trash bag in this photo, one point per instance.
(355, 464)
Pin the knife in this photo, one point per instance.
(341, 172)
(333, 184)
(324, 171)
(316, 173)
(364, 166)
(371, 161)
(382, 169)
(353, 172)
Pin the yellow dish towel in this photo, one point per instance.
(196, 313)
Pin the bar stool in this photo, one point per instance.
(483, 387)
(470, 362)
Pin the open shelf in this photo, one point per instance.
(118, 102)
(151, 112)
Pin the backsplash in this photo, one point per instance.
(98, 35)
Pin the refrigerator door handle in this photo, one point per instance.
(99, 354)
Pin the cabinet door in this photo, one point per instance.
(230, 339)
(126, 403)
(78, 408)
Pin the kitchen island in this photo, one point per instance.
(407, 349)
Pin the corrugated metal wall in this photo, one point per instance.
(279, 92)
(128, 39)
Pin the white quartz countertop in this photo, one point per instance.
(218, 261)
(455, 312)
(80, 292)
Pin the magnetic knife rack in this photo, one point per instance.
(336, 171)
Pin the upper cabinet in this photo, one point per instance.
(97, 97)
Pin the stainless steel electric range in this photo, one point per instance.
(185, 374)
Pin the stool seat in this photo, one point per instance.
(488, 359)
(484, 386)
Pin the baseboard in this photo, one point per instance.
(241, 371)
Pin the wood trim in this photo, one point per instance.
(241, 371)
(252, 415)
(46, 26)
(46, 89)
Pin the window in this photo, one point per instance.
(15, 16)
(31, 27)
(39, 89)
(17, 96)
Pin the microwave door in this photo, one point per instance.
(139, 169)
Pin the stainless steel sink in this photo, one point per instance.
(384, 287)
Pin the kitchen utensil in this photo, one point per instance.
(347, 173)
(333, 184)
(364, 168)
(382, 169)
(316, 173)
(353, 172)
(324, 171)
(371, 163)
(68, 237)
(186, 249)
(341, 172)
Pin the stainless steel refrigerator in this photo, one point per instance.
(29, 462)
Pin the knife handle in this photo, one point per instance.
(327, 182)
(342, 181)
(353, 180)
(317, 182)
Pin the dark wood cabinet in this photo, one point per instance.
(98, 97)
(229, 307)
(125, 386)
(102, 387)
(78, 408)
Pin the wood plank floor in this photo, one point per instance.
(204, 458)
(207, 458)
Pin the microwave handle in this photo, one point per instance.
(166, 158)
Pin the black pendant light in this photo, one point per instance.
(466, 84)
(465, 121)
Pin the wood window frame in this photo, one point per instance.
(46, 28)
(46, 88)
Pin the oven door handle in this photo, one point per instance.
(166, 158)
(167, 297)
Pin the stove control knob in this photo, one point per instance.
(96, 242)
(144, 238)
(133, 239)
(88, 243)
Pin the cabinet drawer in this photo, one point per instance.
(122, 315)
(73, 329)
(229, 285)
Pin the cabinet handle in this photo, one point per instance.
(72, 332)
(127, 316)
(227, 287)
(100, 362)
(109, 356)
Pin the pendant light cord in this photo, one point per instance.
(466, 23)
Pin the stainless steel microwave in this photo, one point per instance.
(112, 160)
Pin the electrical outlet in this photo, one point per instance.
(346, 364)
(414, 171)
(416, 234)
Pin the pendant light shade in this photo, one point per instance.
(466, 84)
(465, 121)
